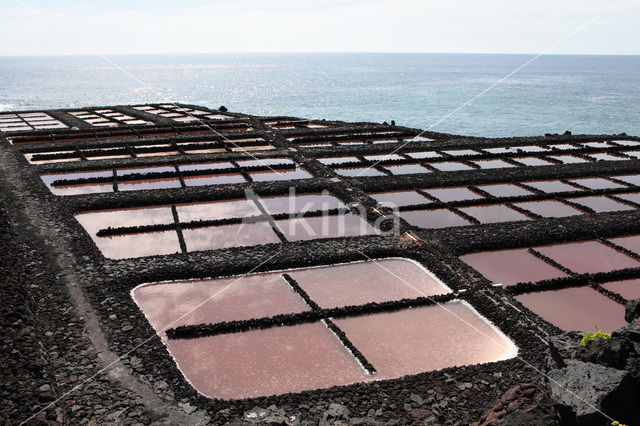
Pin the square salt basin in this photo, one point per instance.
(358, 172)
(626, 142)
(549, 208)
(407, 169)
(552, 186)
(461, 152)
(137, 245)
(276, 175)
(311, 228)
(601, 204)
(383, 157)
(603, 156)
(217, 165)
(300, 203)
(176, 303)
(532, 161)
(131, 245)
(434, 219)
(338, 160)
(632, 179)
(399, 198)
(495, 213)
(588, 257)
(85, 188)
(413, 341)
(360, 283)
(504, 190)
(423, 154)
(634, 197)
(137, 185)
(218, 179)
(576, 308)
(451, 166)
(225, 236)
(213, 210)
(267, 362)
(509, 267)
(454, 193)
(492, 164)
(631, 242)
(596, 183)
(568, 159)
(629, 289)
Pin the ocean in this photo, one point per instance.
(583, 94)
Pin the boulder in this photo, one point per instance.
(632, 310)
(581, 391)
(563, 347)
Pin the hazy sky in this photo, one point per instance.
(202, 26)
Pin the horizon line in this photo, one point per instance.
(307, 53)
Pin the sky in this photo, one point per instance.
(73, 27)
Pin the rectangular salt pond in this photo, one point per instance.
(631, 242)
(276, 175)
(310, 356)
(601, 204)
(504, 190)
(495, 213)
(334, 226)
(632, 179)
(399, 198)
(549, 208)
(85, 188)
(358, 172)
(217, 179)
(509, 267)
(407, 169)
(629, 289)
(434, 219)
(568, 159)
(428, 338)
(588, 257)
(532, 161)
(146, 184)
(450, 166)
(493, 164)
(596, 183)
(364, 282)
(453, 193)
(576, 308)
(225, 236)
(552, 186)
(300, 203)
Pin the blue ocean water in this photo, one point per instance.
(584, 94)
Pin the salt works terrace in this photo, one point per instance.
(189, 264)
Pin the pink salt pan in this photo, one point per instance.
(588, 257)
(177, 303)
(576, 308)
(365, 282)
(412, 341)
(266, 362)
(509, 267)
(224, 236)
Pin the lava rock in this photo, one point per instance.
(632, 310)
(334, 413)
(522, 404)
(581, 391)
(563, 347)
